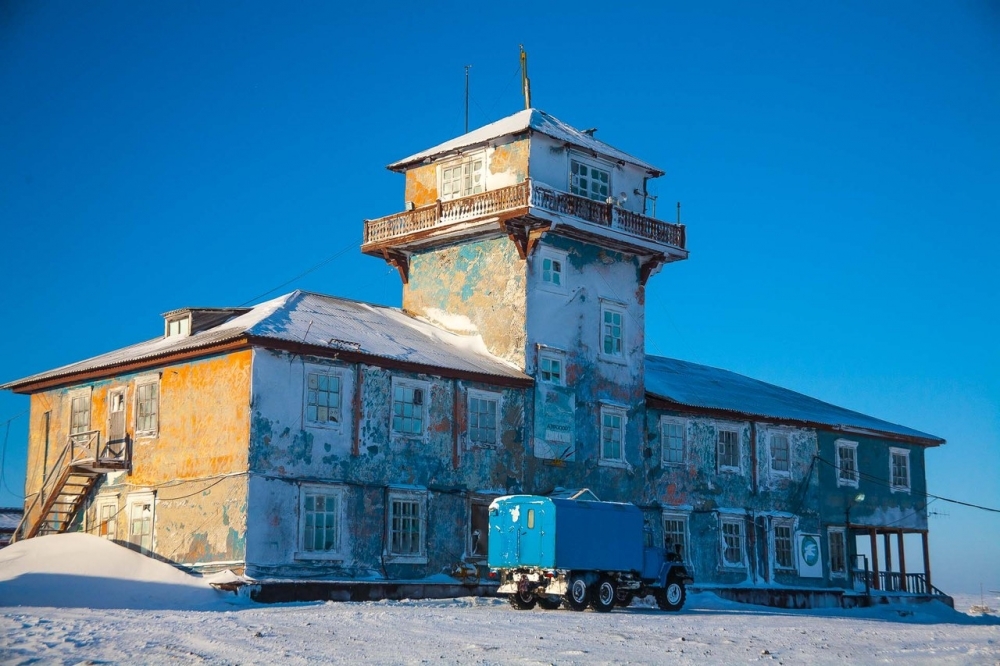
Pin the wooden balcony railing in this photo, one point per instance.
(893, 581)
(523, 195)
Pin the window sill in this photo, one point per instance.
(322, 557)
(406, 559)
(147, 435)
(671, 463)
(324, 426)
(617, 360)
(841, 483)
(730, 470)
(899, 489)
(617, 464)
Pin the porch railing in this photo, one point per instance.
(893, 581)
(523, 195)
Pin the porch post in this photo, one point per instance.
(927, 562)
(874, 540)
(902, 559)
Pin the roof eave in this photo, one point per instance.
(657, 400)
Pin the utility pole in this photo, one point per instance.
(525, 82)
(467, 68)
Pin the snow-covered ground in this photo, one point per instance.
(76, 598)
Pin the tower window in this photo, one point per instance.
(612, 332)
(588, 181)
(460, 179)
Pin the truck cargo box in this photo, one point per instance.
(534, 531)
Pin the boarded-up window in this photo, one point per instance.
(80, 414)
(838, 555)
(900, 469)
(847, 463)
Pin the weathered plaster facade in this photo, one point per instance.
(330, 448)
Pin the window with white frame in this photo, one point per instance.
(482, 422)
(324, 396)
(847, 463)
(672, 436)
(147, 406)
(728, 451)
(409, 407)
(178, 326)
(899, 469)
(550, 367)
(732, 542)
(780, 451)
(782, 540)
(407, 525)
(553, 269)
(612, 331)
(587, 180)
(675, 534)
(141, 508)
(612, 434)
(79, 415)
(462, 178)
(321, 511)
(106, 518)
(838, 552)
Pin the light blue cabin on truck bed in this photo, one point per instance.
(547, 533)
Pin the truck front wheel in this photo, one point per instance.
(671, 598)
(578, 595)
(603, 597)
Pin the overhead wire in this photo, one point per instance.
(301, 275)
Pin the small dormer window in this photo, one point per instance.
(179, 326)
(462, 178)
(587, 180)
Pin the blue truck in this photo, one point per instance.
(550, 551)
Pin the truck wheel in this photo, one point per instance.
(671, 598)
(578, 595)
(550, 603)
(522, 600)
(603, 598)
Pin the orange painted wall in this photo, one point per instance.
(422, 185)
(203, 434)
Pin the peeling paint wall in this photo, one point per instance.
(566, 320)
(195, 462)
(289, 454)
(482, 283)
(506, 164)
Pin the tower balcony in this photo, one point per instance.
(528, 205)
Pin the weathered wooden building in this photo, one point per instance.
(313, 438)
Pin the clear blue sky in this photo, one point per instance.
(838, 165)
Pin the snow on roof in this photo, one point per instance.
(522, 121)
(694, 385)
(317, 320)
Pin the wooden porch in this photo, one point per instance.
(879, 574)
(80, 465)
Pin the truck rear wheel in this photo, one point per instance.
(604, 595)
(672, 597)
(578, 595)
(522, 600)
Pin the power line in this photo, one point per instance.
(879, 481)
(302, 274)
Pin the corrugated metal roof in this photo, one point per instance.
(325, 321)
(522, 121)
(702, 386)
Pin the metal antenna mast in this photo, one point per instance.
(525, 82)
(467, 68)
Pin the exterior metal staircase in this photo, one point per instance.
(77, 470)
